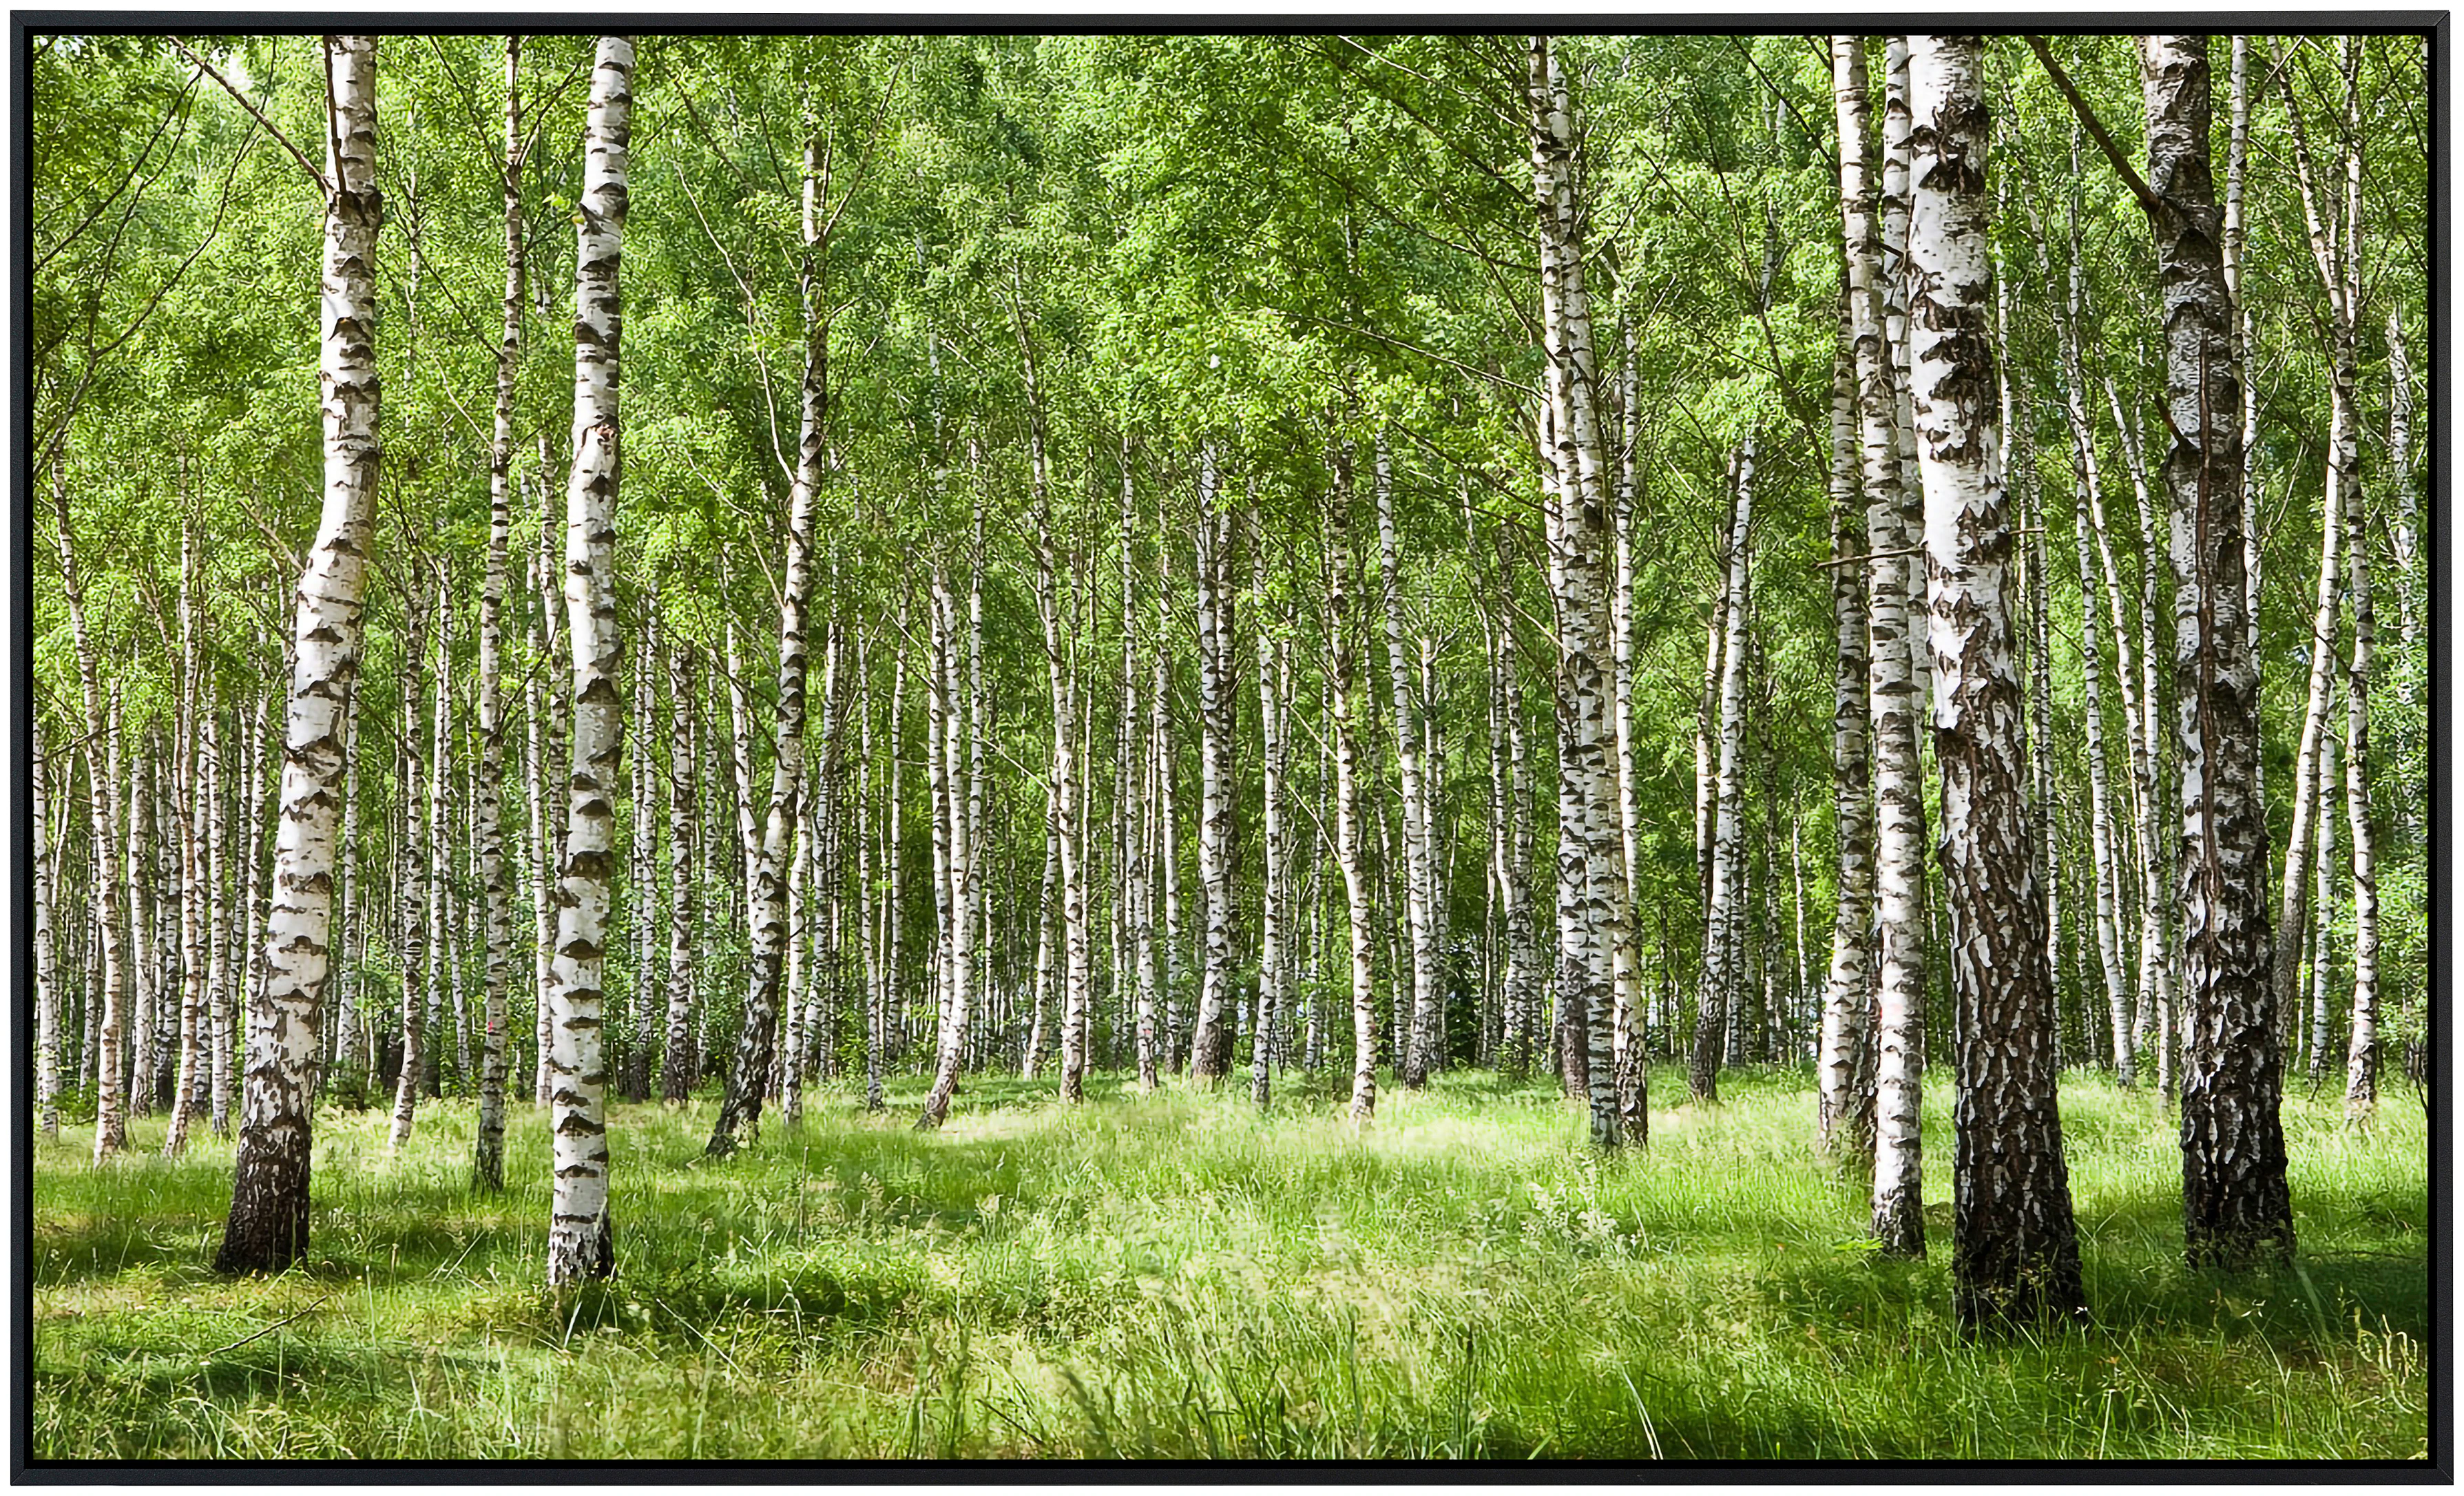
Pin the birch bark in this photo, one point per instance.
(2236, 1204)
(1843, 1105)
(266, 1229)
(1897, 788)
(1413, 1061)
(2014, 1249)
(488, 1147)
(1589, 854)
(580, 1240)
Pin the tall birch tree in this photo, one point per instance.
(266, 1229)
(2015, 1249)
(582, 1241)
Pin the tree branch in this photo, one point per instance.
(2129, 174)
(313, 175)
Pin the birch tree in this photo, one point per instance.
(1898, 790)
(2015, 1249)
(1590, 857)
(266, 1229)
(739, 1111)
(1843, 1106)
(2236, 1205)
(580, 1240)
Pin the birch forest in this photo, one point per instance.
(1292, 745)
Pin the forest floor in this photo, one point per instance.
(1175, 1276)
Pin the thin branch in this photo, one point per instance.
(323, 188)
(2138, 188)
(269, 1329)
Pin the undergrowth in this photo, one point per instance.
(1176, 1276)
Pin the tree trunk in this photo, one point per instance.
(488, 1147)
(2322, 943)
(739, 1113)
(2235, 1206)
(266, 1229)
(1210, 1054)
(1899, 792)
(684, 873)
(1717, 995)
(432, 892)
(581, 1242)
(1413, 1062)
(47, 992)
(1339, 562)
(1589, 854)
(1136, 890)
(2015, 1249)
(2103, 849)
(1843, 1109)
(411, 871)
(1274, 698)
(189, 788)
(2144, 713)
(946, 745)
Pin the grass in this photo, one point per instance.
(1175, 1276)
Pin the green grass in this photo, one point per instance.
(1175, 1276)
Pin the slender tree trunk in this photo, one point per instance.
(684, 873)
(488, 1149)
(2015, 1249)
(581, 1242)
(410, 872)
(1413, 1060)
(188, 791)
(739, 1113)
(1629, 1027)
(432, 893)
(1167, 854)
(1720, 987)
(1589, 854)
(266, 1229)
(2236, 1205)
(1137, 889)
(1339, 577)
(2322, 943)
(1046, 958)
(2144, 713)
(947, 741)
(1210, 1056)
(46, 991)
(1843, 1105)
(1275, 696)
(2104, 848)
(1898, 790)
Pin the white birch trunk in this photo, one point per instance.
(1275, 696)
(2014, 1249)
(1899, 793)
(580, 1240)
(488, 1147)
(1843, 1065)
(1590, 855)
(1720, 985)
(1210, 1056)
(2236, 1205)
(684, 872)
(268, 1225)
(1413, 1061)
(47, 987)
(1361, 939)
(739, 1113)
